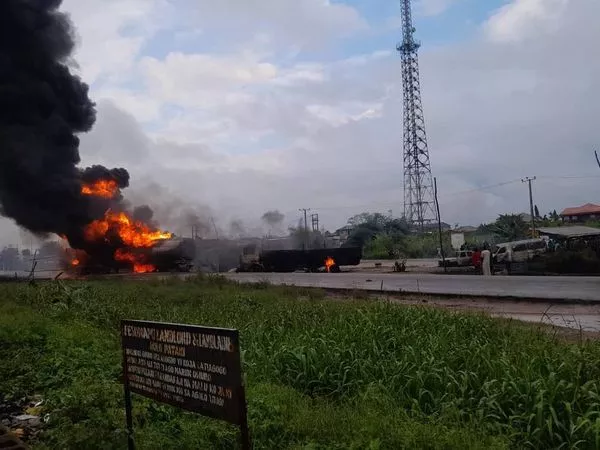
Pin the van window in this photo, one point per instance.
(538, 245)
(502, 250)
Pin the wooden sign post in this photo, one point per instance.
(190, 367)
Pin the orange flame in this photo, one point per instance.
(74, 259)
(136, 260)
(101, 188)
(133, 233)
(329, 263)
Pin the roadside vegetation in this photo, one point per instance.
(321, 373)
(385, 237)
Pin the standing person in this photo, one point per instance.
(486, 261)
(476, 260)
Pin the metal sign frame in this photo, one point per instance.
(187, 366)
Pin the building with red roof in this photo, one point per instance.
(583, 213)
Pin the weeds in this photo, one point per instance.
(321, 374)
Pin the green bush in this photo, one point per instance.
(320, 373)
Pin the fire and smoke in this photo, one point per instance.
(102, 188)
(329, 263)
(43, 106)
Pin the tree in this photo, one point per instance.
(380, 235)
(510, 227)
(370, 220)
(398, 226)
(360, 236)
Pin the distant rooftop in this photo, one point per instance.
(588, 208)
(570, 232)
(465, 229)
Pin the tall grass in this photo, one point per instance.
(321, 374)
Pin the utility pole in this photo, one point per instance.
(528, 180)
(437, 207)
(305, 210)
(314, 218)
(215, 227)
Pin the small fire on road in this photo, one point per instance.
(329, 263)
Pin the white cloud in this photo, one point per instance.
(433, 7)
(344, 114)
(284, 23)
(111, 34)
(186, 79)
(521, 19)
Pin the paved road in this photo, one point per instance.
(389, 263)
(548, 288)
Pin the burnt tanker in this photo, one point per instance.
(170, 255)
(173, 255)
(292, 260)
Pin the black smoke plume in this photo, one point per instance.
(43, 106)
(273, 217)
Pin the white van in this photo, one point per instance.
(520, 251)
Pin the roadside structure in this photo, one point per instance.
(580, 214)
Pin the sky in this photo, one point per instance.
(236, 107)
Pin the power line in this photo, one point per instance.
(569, 177)
(450, 194)
(484, 188)
(401, 204)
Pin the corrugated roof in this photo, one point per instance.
(465, 229)
(588, 208)
(574, 231)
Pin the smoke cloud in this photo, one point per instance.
(180, 216)
(43, 107)
(273, 218)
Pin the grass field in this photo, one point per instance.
(320, 373)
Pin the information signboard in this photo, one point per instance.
(187, 366)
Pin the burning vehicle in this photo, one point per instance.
(313, 260)
(119, 242)
(169, 255)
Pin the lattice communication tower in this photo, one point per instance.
(419, 205)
